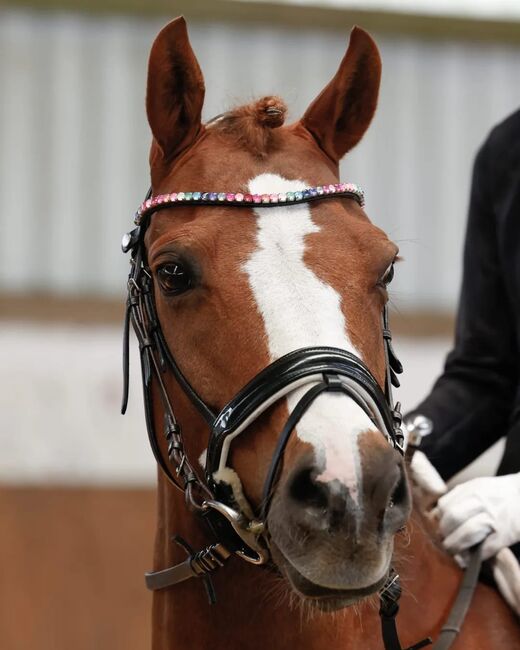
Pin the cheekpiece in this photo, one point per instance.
(238, 199)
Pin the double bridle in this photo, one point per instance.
(232, 522)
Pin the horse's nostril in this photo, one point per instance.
(397, 506)
(400, 494)
(306, 491)
(380, 503)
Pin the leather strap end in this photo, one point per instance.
(126, 359)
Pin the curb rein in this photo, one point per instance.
(326, 369)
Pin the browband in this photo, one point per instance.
(239, 199)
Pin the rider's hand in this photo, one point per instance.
(481, 509)
(427, 478)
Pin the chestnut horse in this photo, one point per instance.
(236, 288)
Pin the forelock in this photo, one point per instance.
(253, 126)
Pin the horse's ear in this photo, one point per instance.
(175, 90)
(342, 112)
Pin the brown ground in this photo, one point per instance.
(71, 568)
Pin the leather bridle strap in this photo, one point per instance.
(140, 311)
(196, 565)
(283, 439)
(304, 365)
(453, 625)
(331, 383)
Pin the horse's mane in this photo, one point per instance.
(253, 126)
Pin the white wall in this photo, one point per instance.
(74, 138)
(490, 9)
(60, 398)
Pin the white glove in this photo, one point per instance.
(426, 477)
(481, 509)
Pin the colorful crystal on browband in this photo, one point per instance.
(161, 201)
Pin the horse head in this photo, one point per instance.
(238, 286)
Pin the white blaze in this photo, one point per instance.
(299, 310)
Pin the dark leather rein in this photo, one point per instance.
(231, 523)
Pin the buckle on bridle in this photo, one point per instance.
(249, 531)
(130, 239)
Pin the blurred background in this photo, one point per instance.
(77, 479)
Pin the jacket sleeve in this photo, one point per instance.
(470, 404)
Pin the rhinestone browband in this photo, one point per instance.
(240, 199)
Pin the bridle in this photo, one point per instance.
(232, 522)
(320, 369)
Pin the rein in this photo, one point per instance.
(232, 524)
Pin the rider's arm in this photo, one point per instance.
(471, 402)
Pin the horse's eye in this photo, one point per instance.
(387, 276)
(174, 278)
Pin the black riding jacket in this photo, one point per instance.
(476, 400)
